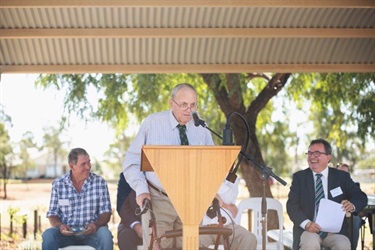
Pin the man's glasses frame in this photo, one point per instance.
(315, 153)
(186, 106)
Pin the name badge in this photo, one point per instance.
(64, 202)
(335, 192)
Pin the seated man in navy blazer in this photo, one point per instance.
(129, 231)
(337, 186)
(357, 220)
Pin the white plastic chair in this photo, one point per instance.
(77, 248)
(255, 204)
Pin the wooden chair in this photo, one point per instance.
(221, 232)
(204, 230)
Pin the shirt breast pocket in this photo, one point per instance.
(66, 207)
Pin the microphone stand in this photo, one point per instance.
(215, 205)
(203, 124)
(266, 172)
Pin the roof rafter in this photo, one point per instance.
(211, 68)
(162, 36)
(188, 3)
(188, 32)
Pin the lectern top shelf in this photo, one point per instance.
(146, 166)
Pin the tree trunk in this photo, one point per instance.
(229, 96)
(55, 162)
(5, 189)
(5, 180)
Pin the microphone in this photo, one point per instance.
(197, 120)
(227, 133)
(213, 209)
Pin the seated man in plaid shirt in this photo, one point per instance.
(80, 207)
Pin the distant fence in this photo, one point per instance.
(17, 221)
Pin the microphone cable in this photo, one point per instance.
(240, 158)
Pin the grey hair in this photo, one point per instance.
(180, 86)
(74, 153)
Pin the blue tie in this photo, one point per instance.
(319, 194)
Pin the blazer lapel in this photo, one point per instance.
(310, 186)
(333, 182)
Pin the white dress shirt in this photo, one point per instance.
(228, 192)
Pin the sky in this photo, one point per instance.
(32, 109)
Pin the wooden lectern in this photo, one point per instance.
(191, 176)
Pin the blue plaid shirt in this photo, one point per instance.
(79, 209)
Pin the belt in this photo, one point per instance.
(155, 188)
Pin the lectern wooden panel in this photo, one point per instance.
(191, 176)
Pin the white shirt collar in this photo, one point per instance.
(324, 172)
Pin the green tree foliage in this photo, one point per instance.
(54, 145)
(120, 97)
(6, 157)
(114, 156)
(338, 104)
(6, 150)
(341, 107)
(25, 145)
(341, 102)
(368, 162)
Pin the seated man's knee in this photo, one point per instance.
(253, 239)
(51, 238)
(309, 241)
(51, 232)
(104, 235)
(250, 240)
(128, 239)
(243, 239)
(342, 243)
(104, 232)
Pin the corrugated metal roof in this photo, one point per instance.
(186, 17)
(100, 36)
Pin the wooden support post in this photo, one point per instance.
(35, 223)
(24, 226)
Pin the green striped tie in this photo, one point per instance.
(319, 194)
(183, 137)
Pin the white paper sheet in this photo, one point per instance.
(330, 216)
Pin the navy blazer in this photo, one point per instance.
(126, 203)
(123, 190)
(301, 199)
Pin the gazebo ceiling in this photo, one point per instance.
(169, 36)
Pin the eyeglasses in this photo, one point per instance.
(315, 153)
(186, 106)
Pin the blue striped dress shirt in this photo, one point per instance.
(158, 129)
